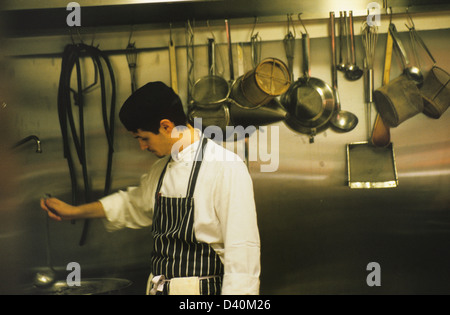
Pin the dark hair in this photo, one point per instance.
(150, 104)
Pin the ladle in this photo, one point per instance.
(342, 15)
(46, 277)
(412, 72)
(341, 120)
(352, 71)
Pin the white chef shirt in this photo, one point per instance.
(224, 209)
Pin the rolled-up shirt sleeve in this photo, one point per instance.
(237, 214)
(130, 208)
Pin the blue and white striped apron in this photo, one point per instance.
(176, 252)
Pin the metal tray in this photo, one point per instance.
(369, 166)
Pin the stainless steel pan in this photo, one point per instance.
(309, 101)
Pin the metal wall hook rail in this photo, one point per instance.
(280, 20)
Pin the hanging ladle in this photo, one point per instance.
(341, 120)
(47, 276)
(352, 71)
(412, 72)
(342, 16)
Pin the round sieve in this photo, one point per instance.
(436, 92)
(259, 86)
(210, 92)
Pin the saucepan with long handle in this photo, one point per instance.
(309, 101)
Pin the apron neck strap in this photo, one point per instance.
(194, 171)
(196, 166)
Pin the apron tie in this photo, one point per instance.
(157, 284)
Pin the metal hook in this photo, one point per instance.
(390, 15)
(255, 42)
(410, 20)
(93, 37)
(218, 50)
(71, 36)
(79, 36)
(252, 35)
(210, 30)
(131, 35)
(290, 25)
(301, 21)
(189, 28)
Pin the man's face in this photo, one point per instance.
(158, 144)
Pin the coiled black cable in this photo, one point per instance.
(71, 60)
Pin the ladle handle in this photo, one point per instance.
(306, 55)
(347, 38)
(352, 36)
(397, 41)
(341, 32)
(211, 56)
(230, 50)
(333, 62)
(333, 51)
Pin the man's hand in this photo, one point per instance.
(59, 210)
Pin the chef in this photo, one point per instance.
(197, 198)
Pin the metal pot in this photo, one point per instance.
(309, 101)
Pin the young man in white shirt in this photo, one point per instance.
(198, 199)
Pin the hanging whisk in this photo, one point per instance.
(369, 38)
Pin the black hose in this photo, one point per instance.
(71, 60)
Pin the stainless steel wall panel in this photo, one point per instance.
(317, 234)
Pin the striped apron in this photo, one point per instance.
(176, 252)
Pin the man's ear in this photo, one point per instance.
(166, 126)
